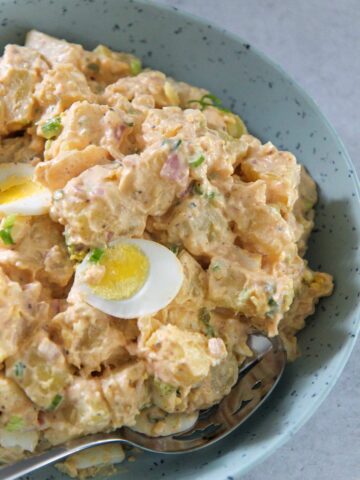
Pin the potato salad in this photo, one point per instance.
(144, 235)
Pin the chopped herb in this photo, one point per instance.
(197, 189)
(96, 254)
(177, 144)
(216, 267)
(209, 100)
(93, 66)
(52, 127)
(9, 221)
(58, 194)
(55, 402)
(14, 424)
(48, 144)
(6, 237)
(274, 307)
(135, 66)
(164, 389)
(197, 161)
(272, 302)
(5, 232)
(175, 248)
(129, 124)
(173, 143)
(19, 368)
(205, 317)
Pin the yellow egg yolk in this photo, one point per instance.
(126, 269)
(14, 188)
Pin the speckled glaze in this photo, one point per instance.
(275, 109)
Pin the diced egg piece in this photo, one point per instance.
(154, 422)
(131, 278)
(25, 440)
(97, 456)
(20, 193)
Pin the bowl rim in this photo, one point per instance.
(349, 345)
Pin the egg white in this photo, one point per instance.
(37, 203)
(25, 440)
(97, 456)
(161, 286)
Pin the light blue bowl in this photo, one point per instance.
(275, 109)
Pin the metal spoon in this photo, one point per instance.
(257, 378)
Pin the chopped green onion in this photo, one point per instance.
(135, 66)
(176, 144)
(52, 127)
(9, 221)
(175, 248)
(55, 402)
(48, 144)
(14, 424)
(216, 267)
(93, 66)
(272, 302)
(96, 255)
(209, 100)
(274, 307)
(205, 317)
(5, 232)
(196, 162)
(165, 389)
(6, 237)
(213, 98)
(19, 368)
(173, 143)
(197, 189)
(211, 195)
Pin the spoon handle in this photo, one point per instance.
(29, 465)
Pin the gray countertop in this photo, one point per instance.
(318, 43)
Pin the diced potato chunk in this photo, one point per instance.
(126, 392)
(45, 373)
(89, 337)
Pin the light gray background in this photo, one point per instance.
(318, 43)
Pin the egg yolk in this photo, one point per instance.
(126, 269)
(14, 188)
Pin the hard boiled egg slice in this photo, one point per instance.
(20, 193)
(130, 278)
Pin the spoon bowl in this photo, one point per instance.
(258, 377)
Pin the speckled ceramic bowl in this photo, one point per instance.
(276, 109)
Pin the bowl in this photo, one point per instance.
(276, 109)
